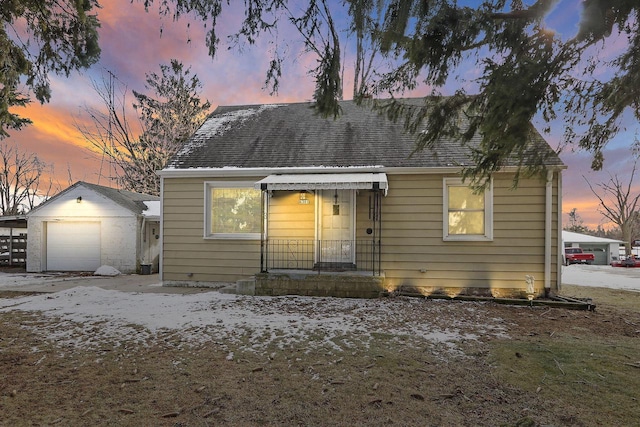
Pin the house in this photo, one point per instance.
(89, 225)
(604, 250)
(283, 201)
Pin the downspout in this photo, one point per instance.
(140, 240)
(547, 233)
(264, 200)
(161, 256)
(379, 217)
(376, 248)
(559, 235)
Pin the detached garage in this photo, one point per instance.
(604, 250)
(88, 225)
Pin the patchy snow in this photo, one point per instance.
(217, 125)
(13, 280)
(153, 208)
(86, 317)
(603, 276)
(92, 317)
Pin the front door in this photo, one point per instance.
(336, 227)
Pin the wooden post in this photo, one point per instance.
(10, 246)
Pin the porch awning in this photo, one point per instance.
(325, 181)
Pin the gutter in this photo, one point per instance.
(140, 241)
(161, 231)
(547, 233)
(264, 171)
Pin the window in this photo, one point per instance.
(232, 210)
(467, 215)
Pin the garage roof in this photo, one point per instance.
(135, 202)
(571, 237)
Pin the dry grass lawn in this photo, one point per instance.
(556, 367)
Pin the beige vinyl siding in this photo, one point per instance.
(363, 221)
(414, 253)
(413, 250)
(291, 230)
(187, 255)
(365, 243)
(288, 219)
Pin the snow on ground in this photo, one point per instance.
(12, 280)
(106, 270)
(603, 276)
(91, 317)
(88, 317)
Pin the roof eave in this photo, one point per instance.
(230, 172)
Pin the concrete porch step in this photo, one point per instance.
(246, 286)
(241, 287)
(228, 289)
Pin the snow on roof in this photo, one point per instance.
(217, 125)
(153, 208)
(571, 237)
(294, 135)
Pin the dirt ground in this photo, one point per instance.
(550, 367)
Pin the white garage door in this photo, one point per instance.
(73, 246)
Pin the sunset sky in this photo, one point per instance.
(132, 45)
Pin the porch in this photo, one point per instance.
(322, 222)
(321, 235)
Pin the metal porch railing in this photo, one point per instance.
(321, 255)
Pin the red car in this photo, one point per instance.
(630, 261)
(577, 256)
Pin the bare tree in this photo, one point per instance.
(576, 224)
(24, 183)
(321, 36)
(165, 120)
(367, 19)
(620, 206)
(110, 133)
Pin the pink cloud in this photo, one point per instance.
(578, 176)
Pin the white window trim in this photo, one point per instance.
(208, 185)
(488, 213)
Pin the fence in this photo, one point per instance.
(13, 251)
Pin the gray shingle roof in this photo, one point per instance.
(128, 199)
(292, 135)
